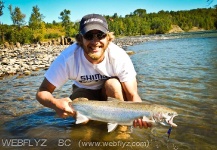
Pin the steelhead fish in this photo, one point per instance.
(117, 112)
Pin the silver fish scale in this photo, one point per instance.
(113, 112)
(124, 113)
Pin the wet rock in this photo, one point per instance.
(27, 72)
(18, 45)
(28, 58)
(130, 52)
(6, 45)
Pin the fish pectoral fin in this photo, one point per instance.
(112, 126)
(81, 118)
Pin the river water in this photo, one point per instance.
(179, 72)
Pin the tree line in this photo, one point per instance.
(138, 22)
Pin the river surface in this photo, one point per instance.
(179, 72)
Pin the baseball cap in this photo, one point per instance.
(93, 22)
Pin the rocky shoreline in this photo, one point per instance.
(23, 60)
(26, 59)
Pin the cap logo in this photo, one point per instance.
(93, 19)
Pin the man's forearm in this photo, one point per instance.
(46, 99)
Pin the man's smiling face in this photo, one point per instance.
(95, 43)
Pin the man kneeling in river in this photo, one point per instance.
(99, 68)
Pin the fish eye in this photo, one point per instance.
(170, 114)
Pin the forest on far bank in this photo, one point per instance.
(135, 23)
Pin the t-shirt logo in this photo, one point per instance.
(92, 78)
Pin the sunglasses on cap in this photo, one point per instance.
(90, 36)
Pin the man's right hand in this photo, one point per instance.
(63, 108)
(45, 97)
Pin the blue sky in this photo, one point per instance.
(51, 8)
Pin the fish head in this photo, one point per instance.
(165, 117)
(168, 119)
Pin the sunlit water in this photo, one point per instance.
(180, 73)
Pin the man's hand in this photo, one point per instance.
(63, 108)
(141, 124)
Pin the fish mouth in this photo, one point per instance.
(170, 121)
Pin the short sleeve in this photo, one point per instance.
(57, 73)
(125, 69)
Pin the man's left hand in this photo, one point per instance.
(141, 124)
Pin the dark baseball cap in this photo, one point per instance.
(93, 22)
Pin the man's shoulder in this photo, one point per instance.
(71, 51)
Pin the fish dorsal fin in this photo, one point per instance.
(112, 126)
(111, 99)
(80, 118)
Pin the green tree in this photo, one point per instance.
(36, 18)
(1, 7)
(215, 16)
(23, 35)
(17, 16)
(115, 15)
(66, 23)
(129, 26)
(140, 12)
(3, 31)
(1, 26)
